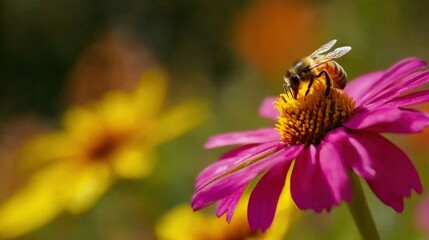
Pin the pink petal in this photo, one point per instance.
(395, 174)
(354, 154)
(334, 169)
(238, 152)
(263, 200)
(247, 137)
(392, 120)
(360, 86)
(241, 159)
(228, 204)
(408, 83)
(309, 187)
(268, 110)
(403, 68)
(393, 76)
(225, 184)
(398, 71)
(410, 99)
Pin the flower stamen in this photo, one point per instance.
(307, 119)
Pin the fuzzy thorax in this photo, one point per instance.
(307, 120)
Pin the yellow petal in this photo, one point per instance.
(178, 120)
(80, 122)
(181, 223)
(149, 95)
(116, 111)
(33, 206)
(44, 148)
(85, 185)
(133, 162)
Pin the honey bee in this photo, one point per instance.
(315, 66)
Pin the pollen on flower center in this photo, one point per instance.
(307, 120)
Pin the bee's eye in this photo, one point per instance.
(306, 69)
(295, 79)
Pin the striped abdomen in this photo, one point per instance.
(336, 72)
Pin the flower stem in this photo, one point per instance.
(360, 211)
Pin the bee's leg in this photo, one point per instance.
(328, 80)
(310, 83)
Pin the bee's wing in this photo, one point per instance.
(324, 48)
(337, 53)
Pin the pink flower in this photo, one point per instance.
(328, 138)
(422, 214)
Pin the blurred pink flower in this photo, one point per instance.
(328, 139)
(422, 214)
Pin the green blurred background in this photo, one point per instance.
(230, 54)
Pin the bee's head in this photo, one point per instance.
(292, 82)
(302, 66)
(291, 78)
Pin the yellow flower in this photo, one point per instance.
(181, 223)
(111, 139)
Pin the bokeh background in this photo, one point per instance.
(229, 55)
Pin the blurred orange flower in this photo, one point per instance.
(100, 143)
(271, 34)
